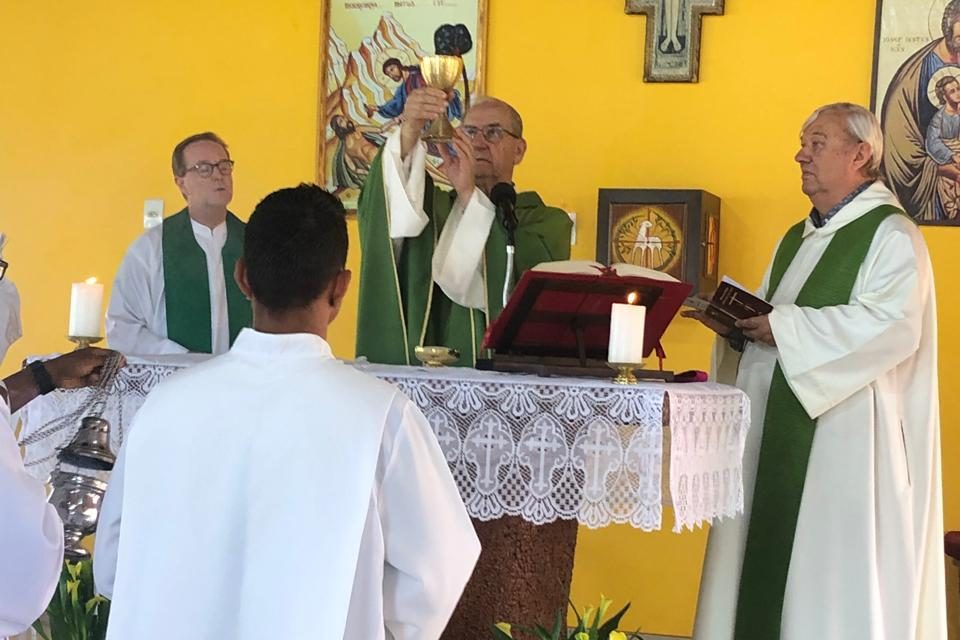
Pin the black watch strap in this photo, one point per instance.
(42, 377)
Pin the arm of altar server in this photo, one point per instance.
(458, 256)
(429, 542)
(107, 542)
(31, 538)
(136, 301)
(829, 354)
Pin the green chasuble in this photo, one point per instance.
(187, 286)
(788, 433)
(401, 306)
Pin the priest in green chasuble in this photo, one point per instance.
(433, 262)
(175, 291)
(842, 532)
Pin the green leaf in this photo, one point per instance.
(558, 625)
(612, 623)
(499, 633)
(38, 627)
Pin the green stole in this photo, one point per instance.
(187, 287)
(401, 307)
(788, 433)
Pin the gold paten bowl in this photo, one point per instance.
(436, 356)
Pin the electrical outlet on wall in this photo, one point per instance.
(152, 212)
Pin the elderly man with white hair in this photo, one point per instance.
(842, 530)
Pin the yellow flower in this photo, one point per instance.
(583, 635)
(604, 605)
(505, 627)
(586, 617)
(617, 635)
(73, 568)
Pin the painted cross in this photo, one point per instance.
(673, 37)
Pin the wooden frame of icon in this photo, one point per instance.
(676, 231)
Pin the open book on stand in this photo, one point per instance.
(557, 321)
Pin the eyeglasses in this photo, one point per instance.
(492, 133)
(3, 268)
(205, 169)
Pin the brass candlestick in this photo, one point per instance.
(83, 341)
(625, 372)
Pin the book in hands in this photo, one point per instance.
(731, 302)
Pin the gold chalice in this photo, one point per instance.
(441, 72)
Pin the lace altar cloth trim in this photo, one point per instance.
(537, 448)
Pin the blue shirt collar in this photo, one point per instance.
(820, 219)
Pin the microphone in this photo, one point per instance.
(504, 198)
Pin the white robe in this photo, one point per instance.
(137, 315)
(458, 257)
(305, 500)
(31, 537)
(867, 556)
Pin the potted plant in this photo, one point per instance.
(76, 612)
(590, 626)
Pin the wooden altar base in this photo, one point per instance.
(522, 577)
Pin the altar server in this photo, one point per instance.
(31, 534)
(275, 492)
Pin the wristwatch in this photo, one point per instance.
(42, 377)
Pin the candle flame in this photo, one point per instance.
(632, 298)
(91, 281)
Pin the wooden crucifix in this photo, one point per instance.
(673, 37)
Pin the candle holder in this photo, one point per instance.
(625, 372)
(83, 341)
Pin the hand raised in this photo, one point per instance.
(459, 166)
(422, 105)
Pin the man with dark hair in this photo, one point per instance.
(433, 261)
(174, 291)
(313, 500)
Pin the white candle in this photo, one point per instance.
(626, 333)
(86, 305)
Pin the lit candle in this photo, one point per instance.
(626, 333)
(86, 304)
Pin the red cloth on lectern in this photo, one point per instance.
(547, 309)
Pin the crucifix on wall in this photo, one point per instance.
(673, 37)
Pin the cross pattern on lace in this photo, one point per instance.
(596, 451)
(489, 443)
(542, 443)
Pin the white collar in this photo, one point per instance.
(281, 345)
(202, 231)
(875, 195)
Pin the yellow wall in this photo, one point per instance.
(96, 93)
